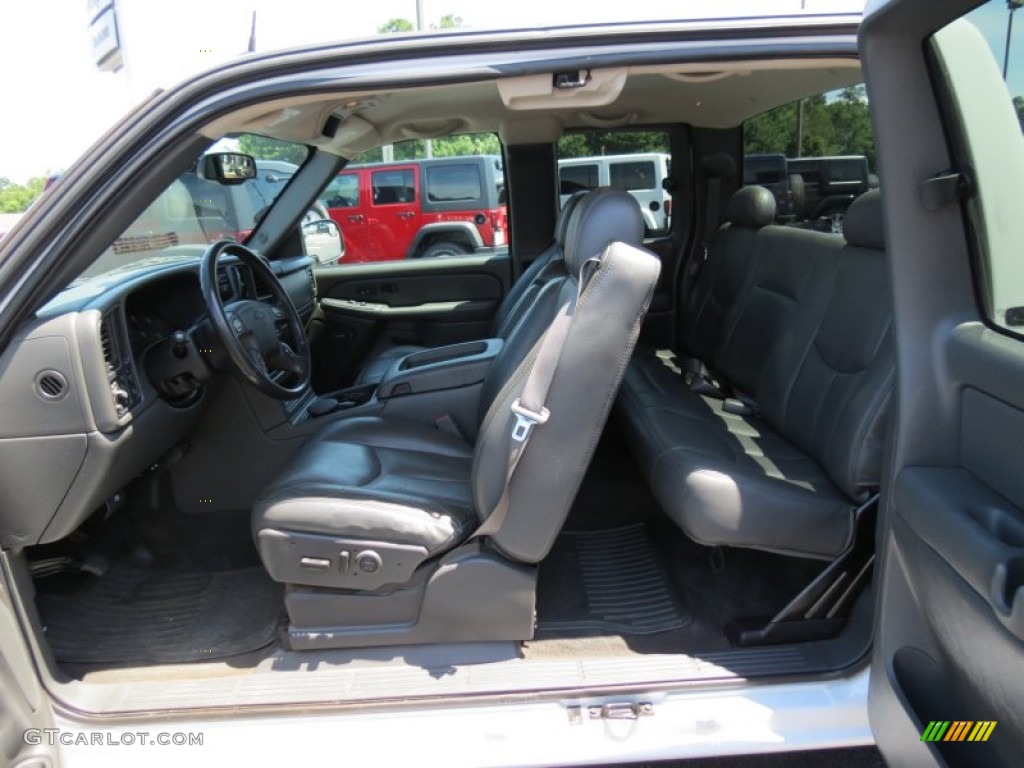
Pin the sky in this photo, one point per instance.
(56, 103)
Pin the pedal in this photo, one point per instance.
(95, 564)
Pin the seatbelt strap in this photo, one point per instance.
(711, 216)
(710, 228)
(529, 407)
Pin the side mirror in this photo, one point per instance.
(323, 241)
(227, 167)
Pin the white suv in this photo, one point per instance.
(641, 174)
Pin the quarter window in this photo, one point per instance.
(454, 183)
(631, 176)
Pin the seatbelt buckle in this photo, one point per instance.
(526, 420)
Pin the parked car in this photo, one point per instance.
(830, 184)
(797, 524)
(773, 172)
(642, 174)
(450, 206)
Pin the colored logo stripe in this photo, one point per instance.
(982, 730)
(935, 731)
(958, 730)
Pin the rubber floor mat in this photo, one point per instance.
(135, 614)
(610, 580)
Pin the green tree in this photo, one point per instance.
(593, 143)
(447, 146)
(837, 126)
(263, 148)
(15, 198)
(392, 26)
(449, 21)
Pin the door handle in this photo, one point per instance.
(356, 217)
(406, 215)
(1007, 594)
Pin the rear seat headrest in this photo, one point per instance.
(718, 166)
(564, 216)
(752, 207)
(602, 217)
(863, 225)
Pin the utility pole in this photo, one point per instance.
(1011, 6)
(800, 127)
(428, 146)
(252, 35)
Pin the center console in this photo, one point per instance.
(434, 386)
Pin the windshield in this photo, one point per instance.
(193, 212)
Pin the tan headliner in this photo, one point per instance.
(719, 95)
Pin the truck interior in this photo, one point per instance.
(309, 535)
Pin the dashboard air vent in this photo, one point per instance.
(124, 389)
(263, 290)
(51, 385)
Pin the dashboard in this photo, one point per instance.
(86, 409)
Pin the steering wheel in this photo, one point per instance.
(260, 337)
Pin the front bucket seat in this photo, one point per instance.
(391, 531)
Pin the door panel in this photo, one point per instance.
(950, 614)
(365, 308)
(393, 218)
(24, 707)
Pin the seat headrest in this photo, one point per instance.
(752, 207)
(718, 166)
(604, 216)
(863, 225)
(564, 215)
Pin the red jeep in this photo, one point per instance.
(420, 208)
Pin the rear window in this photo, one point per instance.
(632, 176)
(578, 178)
(454, 183)
(847, 170)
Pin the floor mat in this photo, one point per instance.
(610, 581)
(136, 614)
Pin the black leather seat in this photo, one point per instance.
(371, 504)
(804, 347)
(513, 308)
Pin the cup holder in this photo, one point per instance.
(352, 396)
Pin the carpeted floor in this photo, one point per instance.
(136, 614)
(706, 587)
(610, 581)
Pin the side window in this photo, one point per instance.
(632, 176)
(578, 177)
(442, 197)
(343, 192)
(984, 116)
(393, 186)
(815, 155)
(634, 161)
(456, 182)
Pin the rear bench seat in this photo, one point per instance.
(794, 326)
